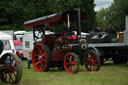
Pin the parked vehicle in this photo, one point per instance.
(19, 49)
(8, 43)
(63, 49)
(10, 64)
(19, 35)
(111, 45)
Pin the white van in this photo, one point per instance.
(19, 35)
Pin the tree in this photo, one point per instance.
(15, 12)
(88, 7)
(115, 15)
(101, 18)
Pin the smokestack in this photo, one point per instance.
(77, 11)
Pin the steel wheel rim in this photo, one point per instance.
(9, 75)
(92, 62)
(71, 64)
(39, 58)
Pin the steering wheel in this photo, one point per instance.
(38, 32)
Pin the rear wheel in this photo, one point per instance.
(71, 63)
(12, 71)
(41, 57)
(93, 61)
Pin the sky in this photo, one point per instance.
(102, 3)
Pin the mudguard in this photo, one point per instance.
(99, 52)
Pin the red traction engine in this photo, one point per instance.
(63, 49)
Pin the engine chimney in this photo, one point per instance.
(77, 11)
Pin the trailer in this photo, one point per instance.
(109, 46)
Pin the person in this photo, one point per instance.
(29, 59)
(18, 54)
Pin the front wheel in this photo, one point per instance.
(12, 71)
(93, 61)
(71, 63)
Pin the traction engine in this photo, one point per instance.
(63, 49)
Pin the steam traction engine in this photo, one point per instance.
(63, 49)
(10, 67)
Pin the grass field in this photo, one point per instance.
(109, 74)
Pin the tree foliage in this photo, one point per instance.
(15, 12)
(113, 16)
(101, 18)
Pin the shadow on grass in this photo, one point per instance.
(108, 64)
(55, 70)
(117, 65)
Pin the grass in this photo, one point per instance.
(109, 74)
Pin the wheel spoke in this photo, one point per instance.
(11, 61)
(67, 63)
(40, 51)
(68, 58)
(10, 78)
(75, 67)
(14, 74)
(95, 66)
(92, 56)
(44, 54)
(36, 55)
(37, 63)
(69, 68)
(93, 61)
(73, 63)
(44, 64)
(71, 58)
(41, 67)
